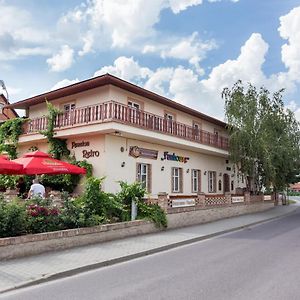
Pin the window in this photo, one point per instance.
(196, 181)
(232, 185)
(170, 118)
(212, 181)
(134, 111)
(144, 175)
(177, 180)
(69, 107)
(196, 130)
(133, 104)
(220, 185)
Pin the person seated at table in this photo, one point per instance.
(36, 189)
(21, 188)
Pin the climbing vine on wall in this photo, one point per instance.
(58, 149)
(10, 131)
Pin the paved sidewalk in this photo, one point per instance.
(29, 270)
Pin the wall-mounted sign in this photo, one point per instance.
(136, 152)
(183, 202)
(80, 144)
(90, 153)
(174, 157)
(237, 199)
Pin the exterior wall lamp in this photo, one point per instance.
(123, 164)
(162, 168)
(187, 170)
(205, 173)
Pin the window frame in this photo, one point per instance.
(177, 178)
(196, 179)
(146, 183)
(212, 177)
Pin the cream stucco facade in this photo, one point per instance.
(179, 153)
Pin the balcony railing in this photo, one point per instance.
(112, 111)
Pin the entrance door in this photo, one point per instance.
(226, 183)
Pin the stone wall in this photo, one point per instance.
(58, 240)
(39, 243)
(198, 216)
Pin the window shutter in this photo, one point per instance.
(199, 181)
(172, 179)
(149, 179)
(215, 182)
(137, 175)
(180, 180)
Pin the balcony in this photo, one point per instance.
(112, 111)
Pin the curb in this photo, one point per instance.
(114, 261)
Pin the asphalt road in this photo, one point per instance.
(260, 262)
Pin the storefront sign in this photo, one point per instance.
(267, 197)
(80, 144)
(90, 153)
(237, 199)
(183, 202)
(174, 157)
(136, 152)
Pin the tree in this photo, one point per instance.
(264, 137)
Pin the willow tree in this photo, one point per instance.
(264, 136)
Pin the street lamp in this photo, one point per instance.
(2, 84)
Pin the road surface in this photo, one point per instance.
(260, 262)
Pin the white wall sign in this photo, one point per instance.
(237, 199)
(267, 197)
(183, 202)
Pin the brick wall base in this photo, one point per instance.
(212, 214)
(59, 240)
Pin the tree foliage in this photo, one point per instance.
(264, 136)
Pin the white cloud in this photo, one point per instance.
(119, 23)
(178, 5)
(18, 35)
(290, 30)
(126, 68)
(63, 83)
(190, 48)
(62, 60)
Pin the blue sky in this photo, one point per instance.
(187, 50)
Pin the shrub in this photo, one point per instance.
(13, 218)
(42, 216)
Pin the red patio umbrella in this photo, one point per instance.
(38, 162)
(9, 167)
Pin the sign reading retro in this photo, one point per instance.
(85, 153)
(136, 152)
(174, 157)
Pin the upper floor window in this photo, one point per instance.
(133, 104)
(69, 107)
(212, 177)
(169, 116)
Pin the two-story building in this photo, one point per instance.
(129, 133)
